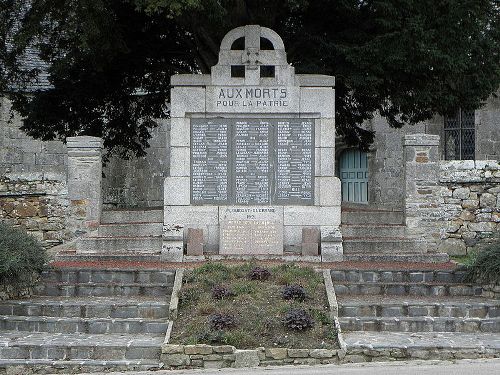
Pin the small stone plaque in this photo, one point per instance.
(251, 230)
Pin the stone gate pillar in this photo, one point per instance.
(84, 182)
(421, 171)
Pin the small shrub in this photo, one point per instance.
(296, 292)
(221, 321)
(21, 255)
(298, 320)
(221, 292)
(259, 273)
(484, 266)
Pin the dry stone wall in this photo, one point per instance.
(36, 204)
(471, 200)
(207, 356)
(450, 206)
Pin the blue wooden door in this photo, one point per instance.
(354, 176)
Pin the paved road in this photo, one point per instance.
(463, 367)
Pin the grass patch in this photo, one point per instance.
(257, 307)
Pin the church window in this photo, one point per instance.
(459, 135)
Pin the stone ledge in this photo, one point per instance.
(222, 356)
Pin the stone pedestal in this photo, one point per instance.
(84, 182)
(331, 245)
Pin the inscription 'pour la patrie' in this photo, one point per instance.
(252, 97)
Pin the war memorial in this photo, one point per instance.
(249, 169)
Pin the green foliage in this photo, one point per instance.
(244, 287)
(189, 295)
(110, 62)
(20, 255)
(484, 265)
(210, 274)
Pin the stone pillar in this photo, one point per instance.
(84, 182)
(421, 171)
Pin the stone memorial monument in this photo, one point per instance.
(252, 154)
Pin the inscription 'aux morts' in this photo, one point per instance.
(255, 97)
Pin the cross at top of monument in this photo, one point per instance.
(252, 55)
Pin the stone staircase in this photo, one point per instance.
(379, 234)
(122, 234)
(87, 320)
(415, 310)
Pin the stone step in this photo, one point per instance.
(411, 289)
(49, 366)
(373, 230)
(99, 275)
(404, 258)
(95, 307)
(378, 245)
(462, 308)
(117, 244)
(76, 346)
(367, 216)
(103, 289)
(130, 229)
(412, 276)
(383, 346)
(132, 216)
(420, 324)
(82, 325)
(117, 256)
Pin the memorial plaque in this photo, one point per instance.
(251, 230)
(294, 162)
(252, 167)
(209, 161)
(252, 161)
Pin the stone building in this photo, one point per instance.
(429, 188)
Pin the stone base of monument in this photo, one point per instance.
(172, 251)
(332, 252)
(284, 257)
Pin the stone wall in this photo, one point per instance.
(20, 154)
(207, 356)
(22, 289)
(385, 159)
(37, 204)
(450, 206)
(138, 182)
(470, 203)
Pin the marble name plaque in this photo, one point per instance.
(251, 230)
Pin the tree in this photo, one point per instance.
(109, 62)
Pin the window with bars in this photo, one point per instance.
(459, 136)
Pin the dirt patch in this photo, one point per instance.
(257, 308)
